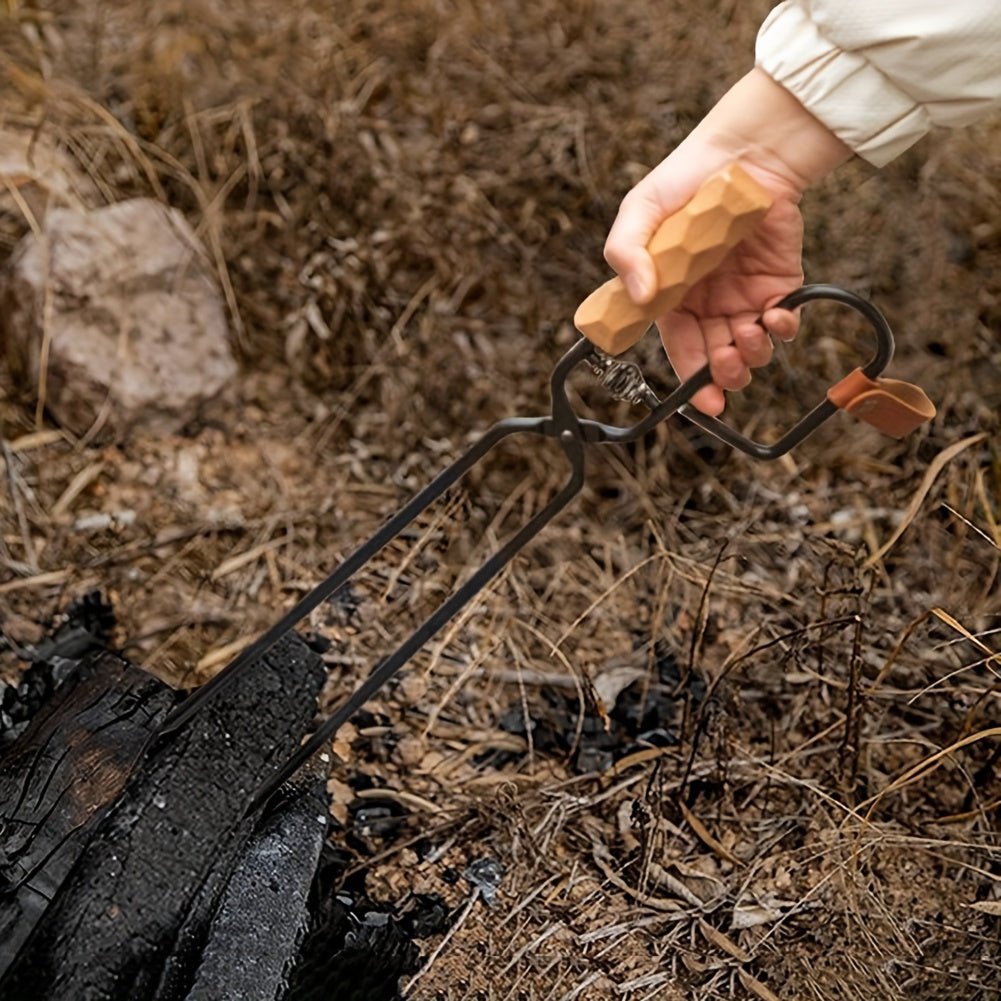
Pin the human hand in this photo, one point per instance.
(726, 317)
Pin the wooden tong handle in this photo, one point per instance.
(686, 247)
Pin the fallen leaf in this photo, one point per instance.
(724, 942)
(756, 987)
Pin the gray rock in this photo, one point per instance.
(125, 306)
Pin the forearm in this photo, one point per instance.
(759, 124)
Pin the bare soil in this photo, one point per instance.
(724, 743)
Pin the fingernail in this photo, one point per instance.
(636, 288)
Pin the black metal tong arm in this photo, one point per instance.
(573, 433)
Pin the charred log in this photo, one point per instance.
(134, 875)
(114, 929)
(254, 936)
(58, 779)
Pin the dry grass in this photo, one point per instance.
(404, 203)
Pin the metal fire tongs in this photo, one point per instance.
(685, 248)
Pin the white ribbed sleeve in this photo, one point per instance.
(881, 73)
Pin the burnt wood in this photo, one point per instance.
(86, 629)
(353, 955)
(128, 920)
(58, 778)
(262, 917)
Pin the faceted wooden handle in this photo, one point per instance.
(688, 245)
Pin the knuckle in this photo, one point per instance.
(618, 249)
(613, 251)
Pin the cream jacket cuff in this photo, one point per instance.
(881, 74)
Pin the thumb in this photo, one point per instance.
(660, 194)
(625, 248)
